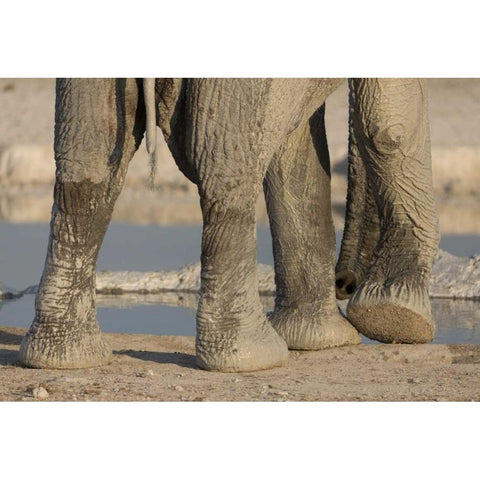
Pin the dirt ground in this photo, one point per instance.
(162, 368)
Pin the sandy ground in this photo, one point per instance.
(162, 368)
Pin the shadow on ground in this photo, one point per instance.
(8, 357)
(9, 338)
(175, 358)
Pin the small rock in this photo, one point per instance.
(413, 380)
(179, 388)
(40, 393)
(236, 380)
(140, 374)
(149, 373)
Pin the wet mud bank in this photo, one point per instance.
(452, 277)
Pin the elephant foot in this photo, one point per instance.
(398, 313)
(311, 328)
(244, 350)
(63, 349)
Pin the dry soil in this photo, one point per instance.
(162, 368)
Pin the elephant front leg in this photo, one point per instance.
(96, 134)
(65, 332)
(297, 192)
(392, 303)
(233, 334)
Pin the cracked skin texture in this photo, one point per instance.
(230, 136)
(390, 145)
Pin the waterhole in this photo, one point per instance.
(143, 248)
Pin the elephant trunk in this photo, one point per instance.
(361, 230)
(151, 125)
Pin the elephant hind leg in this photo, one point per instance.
(233, 334)
(99, 125)
(297, 192)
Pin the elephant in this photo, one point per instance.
(231, 137)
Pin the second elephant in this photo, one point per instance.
(230, 136)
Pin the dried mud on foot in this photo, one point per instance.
(162, 368)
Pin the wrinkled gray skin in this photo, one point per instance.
(230, 136)
(391, 228)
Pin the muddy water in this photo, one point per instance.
(129, 247)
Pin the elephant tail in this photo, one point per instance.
(151, 126)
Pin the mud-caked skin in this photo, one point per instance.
(99, 124)
(230, 136)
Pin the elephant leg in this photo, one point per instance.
(361, 231)
(392, 303)
(99, 124)
(234, 127)
(297, 193)
(233, 333)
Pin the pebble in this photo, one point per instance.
(413, 380)
(149, 373)
(179, 388)
(40, 393)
